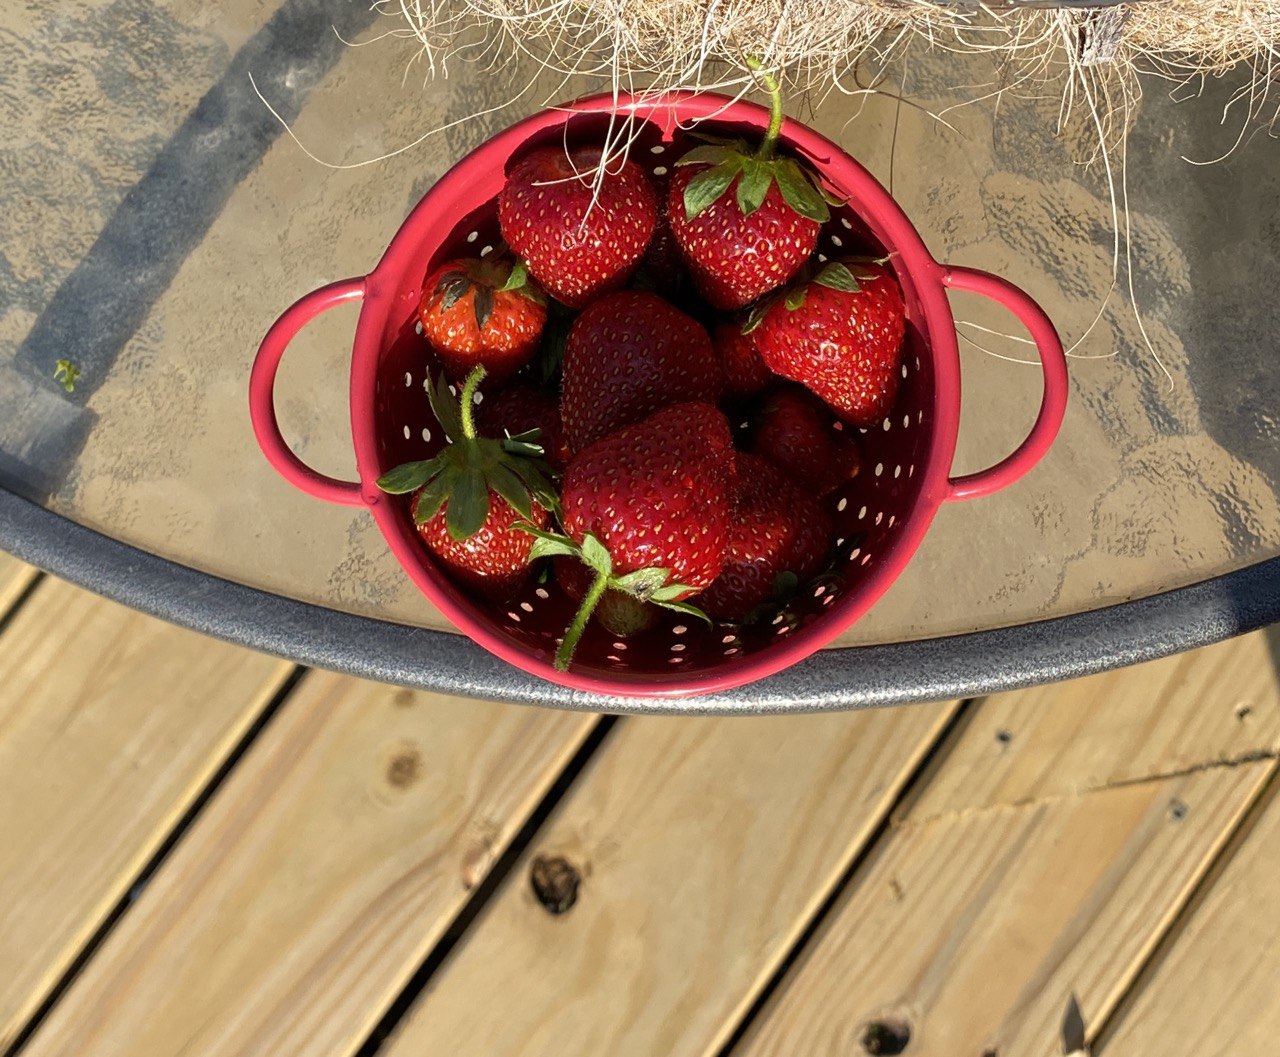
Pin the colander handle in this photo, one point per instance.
(262, 381)
(1053, 361)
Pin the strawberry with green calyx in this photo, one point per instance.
(840, 335)
(485, 313)
(470, 497)
(617, 612)
(656, 497)
(618, 600)
(746, 220)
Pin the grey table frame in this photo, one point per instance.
(852, 678)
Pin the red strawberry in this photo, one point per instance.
(662, 260)
(777, 528)
(841, 336)
(648, 509)
(494, 560)
(521, 408)
(482, 313)
(619, 613)
(797, 432)
(744, 371)
(746, 220)
(581, 237)
(469, 496)
(628, 355)
(736, 256)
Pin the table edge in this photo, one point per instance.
(846, 678)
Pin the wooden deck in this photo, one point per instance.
(204, 851)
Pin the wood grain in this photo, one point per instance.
(704, 845)
(318, 878)
(1039, 864)
(975, 931)
(1215, 991)
(1210, 706)
(110, 723)
(15, 577)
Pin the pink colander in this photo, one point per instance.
(882, 514)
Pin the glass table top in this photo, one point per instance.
(157, 221)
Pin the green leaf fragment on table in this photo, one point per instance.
(66, 374)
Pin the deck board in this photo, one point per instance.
(111, 723)
(15, 577)
(318, 878)
(1038, 865)
(1214, 991)
(705, 846)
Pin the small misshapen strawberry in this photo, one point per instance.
(744, 370)
(520, 408)
(746, 220)
(468, 499)
(797, 432)
(840, 335)
(778, 534)
(627, 355)
(482, 313)
(647, 509)
(581, 226)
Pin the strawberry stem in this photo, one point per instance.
(770, 84)
(467, 401)
(574, 635)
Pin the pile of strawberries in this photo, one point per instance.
(653, 385)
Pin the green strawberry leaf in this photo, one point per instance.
(831, 198)
(483, 306)
(549, 547)
(507, 483)
(643, 582)
(551, 349)
(408, 476)
(596, 555)
(670, 592)
(707, 186)
(836, 276)
(536, 480)
(756, 316)
(434, 495)
(754, 185)
(517, 279)
(799, 191)
(445, 408)
(686, 608)
(468, 505)
(795, 298)
(711, 154)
